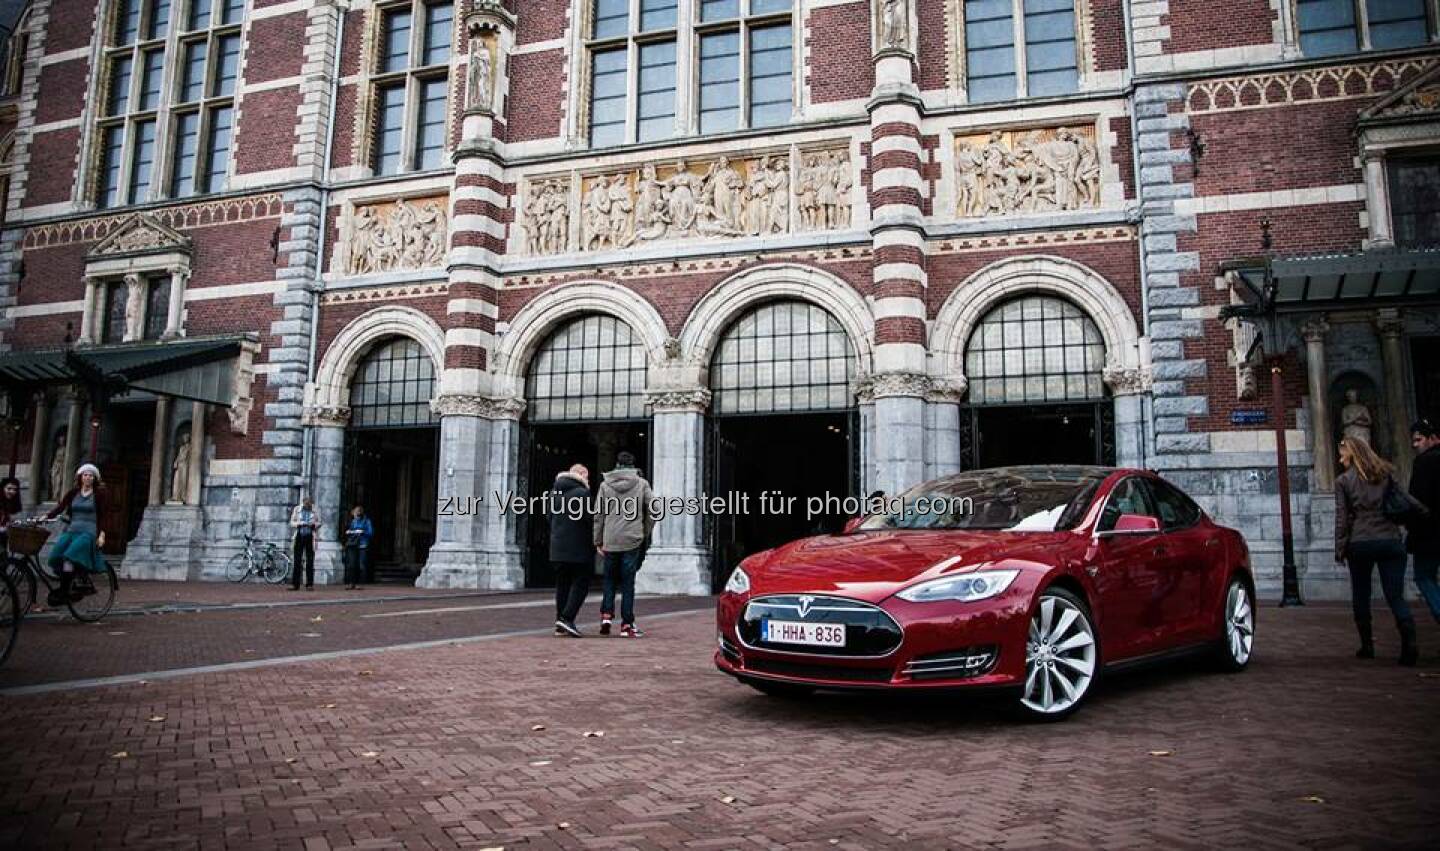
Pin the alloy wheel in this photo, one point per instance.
(1239, 624)
(1059, 655)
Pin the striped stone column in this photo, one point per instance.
(475, 543)
(899, 384)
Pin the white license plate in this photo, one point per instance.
(795, 632)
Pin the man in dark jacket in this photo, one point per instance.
(571, 553)
(1423, 540)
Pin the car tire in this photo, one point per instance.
(1237, 627)
(1062, 657)
(785, 691)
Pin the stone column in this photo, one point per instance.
(97, 320)
(87, 316)
(159, 451)
(942, 441)
(176, 311)
(197, 452)
(475, 541)
(1391, 327)
(328, 427)
(1322, 440)
(75, 437)
(134, 309)
(39, 444)
(678, 561)
(1377, 194)
(899, 384)
(1128, 386)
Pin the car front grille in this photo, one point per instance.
(837, 673)
(870, 632)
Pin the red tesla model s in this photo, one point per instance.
(1025, 578)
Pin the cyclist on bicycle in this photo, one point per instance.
(78, 547)
(10, 507)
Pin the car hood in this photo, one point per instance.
(874, 565)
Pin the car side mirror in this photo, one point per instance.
(852, 524)
(1131, 524)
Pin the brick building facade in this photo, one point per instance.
(813, 245)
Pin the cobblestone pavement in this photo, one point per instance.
(484, 745)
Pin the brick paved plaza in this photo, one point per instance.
(483, 743)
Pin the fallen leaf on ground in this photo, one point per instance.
(594, 734)
(115, 632)
(368, 754)
(120, 755)
(328, 706)
(535, 728)
(309, 635)
(540, 762)
(367, 673)
(155, 719)
(1313, 799)
(290, 760)
(834, 842)
(317, 619)
(728, 799)
(1162, 753)
(564, 825)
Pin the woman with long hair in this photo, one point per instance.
(78, 547)
(1366, 540)
(10, 507)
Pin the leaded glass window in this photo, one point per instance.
(1415, 200)
(1035, 349)
(411, 85)
(157, 306)
(393, 386)
(591, 368)
(1330, 27)
(1048, 64)
(783, 356)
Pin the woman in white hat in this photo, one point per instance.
(78, 547)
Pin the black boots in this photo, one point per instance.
(1409, 651)
(1367, 640)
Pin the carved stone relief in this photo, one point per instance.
(721, 197)
(392, 236)
(893, 19)
(480, 79)
(1026, 171)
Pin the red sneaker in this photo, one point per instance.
(630, 631)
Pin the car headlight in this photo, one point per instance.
(739, 582)
(966, 588)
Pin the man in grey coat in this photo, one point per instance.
(623, 520)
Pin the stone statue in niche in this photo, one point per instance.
(134, 307)
(57, 468)
(180, 469)
(895, 23)
(480, 85)
(1026, 171)
(1355, 418)
(398, 236)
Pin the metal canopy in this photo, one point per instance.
(1337, 281)
(200, 370)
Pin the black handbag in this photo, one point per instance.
(1397, 505)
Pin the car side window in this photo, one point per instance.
(1176, 510)
(1128, 497)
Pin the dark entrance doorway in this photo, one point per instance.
(392, 473)
(1004, 435)
(1425, 367)
(797, 456)
(551, 448)
(126, 436)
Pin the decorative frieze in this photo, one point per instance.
(327, 416)
(1026, 171)
(758, 195)
(1259, 91)
(396, 235)
(487, 407)
(695, 400)
(185, 217)
(1126, 380)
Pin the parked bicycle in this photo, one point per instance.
(10, 616)
(91, 594)
(263, 560)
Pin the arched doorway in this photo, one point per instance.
(585, 403)
(391, 448)
(783, 422)
(1035, 367)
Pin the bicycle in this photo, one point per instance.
(92, 593)
(265, 560)
(10, 616)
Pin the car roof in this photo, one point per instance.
(1062, 472)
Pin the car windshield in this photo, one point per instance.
(1009, 499)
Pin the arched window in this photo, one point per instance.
(591, 368)
(393, 386)
(1035, 348)
(780, 357)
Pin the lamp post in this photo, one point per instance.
(1290, 593)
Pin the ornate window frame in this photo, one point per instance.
(1406, 121)
(369, 78)
(140, 249)
(1290, 24)
(688, 31)
(1085, 66)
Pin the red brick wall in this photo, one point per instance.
(252, 443)
(1122, 155)
(1287, 147)
(62, 91)
(267, 130)
(52, 166)
(233, 254)
(342, 153)
(930, 45)
(541, 20)
(352, 50)
(840, 63)
(537, 101)
(335, 316)
(1108, 33)
(72, 23)
(1207, 24)
(275, 48)
(1116, 262)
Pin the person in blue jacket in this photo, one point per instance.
(357, 547)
